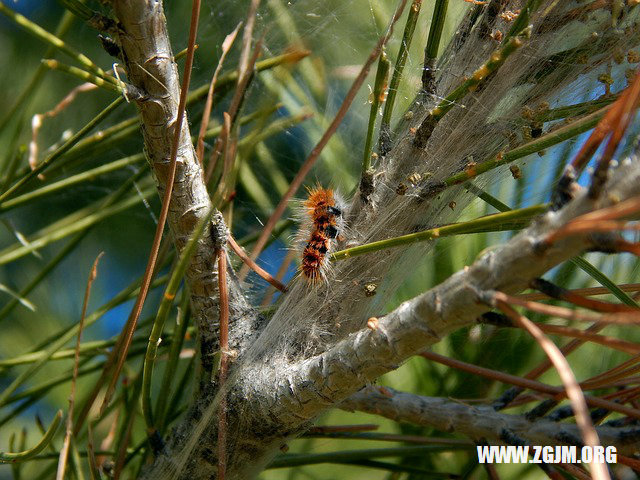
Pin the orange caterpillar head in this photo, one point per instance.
(320, 199)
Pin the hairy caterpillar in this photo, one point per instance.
(323, 225)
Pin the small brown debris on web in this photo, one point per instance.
(509, 15)
(630, 75)
(414, 179)
(497, 35)
(607, 80)
(372, 323)
(370, 289)
(527, 113)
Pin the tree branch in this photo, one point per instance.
(313, 384)
(151, 68)
(481, 422)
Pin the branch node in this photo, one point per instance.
(565, 190)
(110, 46)
(373, 323)
(496, 319)
(218, 231)
(509, 437)
(424, 131)
(541, 410)
(540, 247)
(431, 190)
(506, 398)
(485, 296)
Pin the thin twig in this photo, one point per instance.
(62, 462)
(626, 115)
(125, 437)
(614, 121)
(433, 45)
(380, 89)
(572, 296)
(622, 370)
(245, 71)
(206, 114)
(496, 60)
(175, 279)
(93, 464)
(625, 287)
(611, 342)
(247, 37)
(573, 390)
(581, 227)
(384, 140)
(622, 209)
(36, 121)
(238, 250)
(547, 140)
(566, 350)
(236, 102)
(632, 315)
(556, 392)
(482, 224)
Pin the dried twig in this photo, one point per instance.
(64, 451)
(625, 287)
(573, 390)
(206, 114)
(238, 250)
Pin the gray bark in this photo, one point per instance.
(481, 422)
(151, 68)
